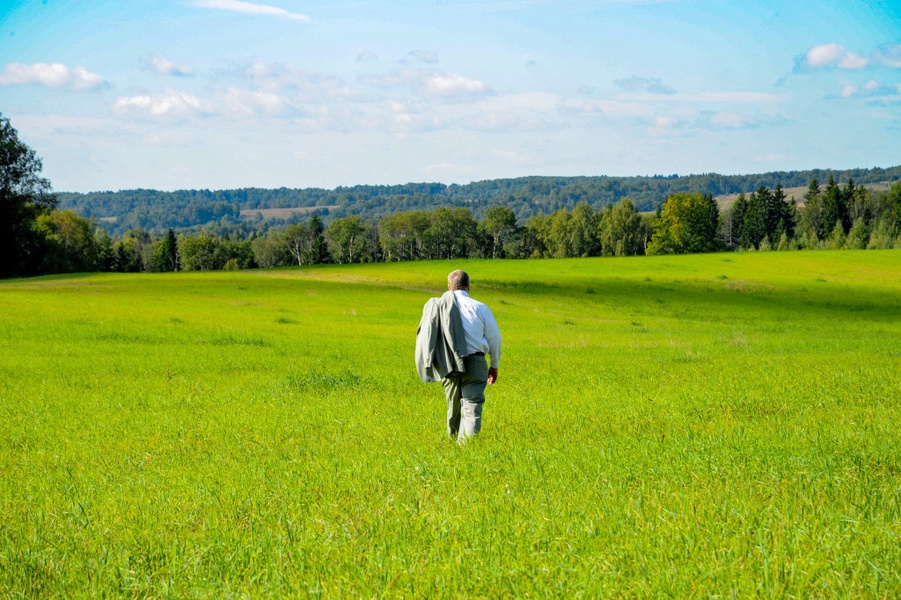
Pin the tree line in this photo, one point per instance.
(156, 211)
(39, 238)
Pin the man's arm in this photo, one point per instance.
(493, 335)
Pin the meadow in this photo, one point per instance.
(693, 426)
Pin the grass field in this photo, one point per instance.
(696, 426)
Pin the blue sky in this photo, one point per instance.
(174, 94)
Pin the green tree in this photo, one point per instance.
(199, 253)
(621, 230)
(105, 258)
(833, 209)
(451, 234)
(882, 236)
(128, 252)
(346, 239)
(583, 232)
(24, 196)
(892, 207)
(317, 251)
(687, 223)
(401, 235)
(306, 241)
(69, 243)
(497, 225)
(271, 250)
(751, 216)
(858, 235)
(557, 240)
(812, 213)
(782, 216)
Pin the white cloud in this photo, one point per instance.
(831, 55)
(164, 66)
(249, 8)
(453, 85)
(407, 117)
(170, 104)
(853, 61)
(55, 75)
(431, 83)
(245, 102)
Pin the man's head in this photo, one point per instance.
(458, 280)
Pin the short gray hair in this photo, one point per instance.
(458, 280)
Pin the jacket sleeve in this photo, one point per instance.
(426, 339)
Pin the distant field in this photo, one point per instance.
(726, 200)
(721, 425)
(283, 213)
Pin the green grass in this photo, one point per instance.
(664, 426)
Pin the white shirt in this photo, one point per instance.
(480, 328)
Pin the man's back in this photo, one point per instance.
(480, 327)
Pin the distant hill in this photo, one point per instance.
(155, 210)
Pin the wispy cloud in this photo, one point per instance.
(426, 57)
(830, 56)
(872, 89)
(307, 85)
(644, 84)
(367, 56)
(164, 66)
(429, 83)
(890, 57)
(52, 75)
(249, 8)
(170, 105)
(713, 97)
(731, 120)
(250, 103)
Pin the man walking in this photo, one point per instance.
(459, 363)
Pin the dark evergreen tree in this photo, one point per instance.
(833, 208)
(812, 215)
(170, 251)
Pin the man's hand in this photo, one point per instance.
(492, 375)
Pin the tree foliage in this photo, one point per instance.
(24, 196)
(687, 223)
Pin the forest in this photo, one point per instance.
(156, 211)
(534, 217)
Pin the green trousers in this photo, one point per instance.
(465, 394)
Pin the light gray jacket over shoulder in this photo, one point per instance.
(440, 340)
